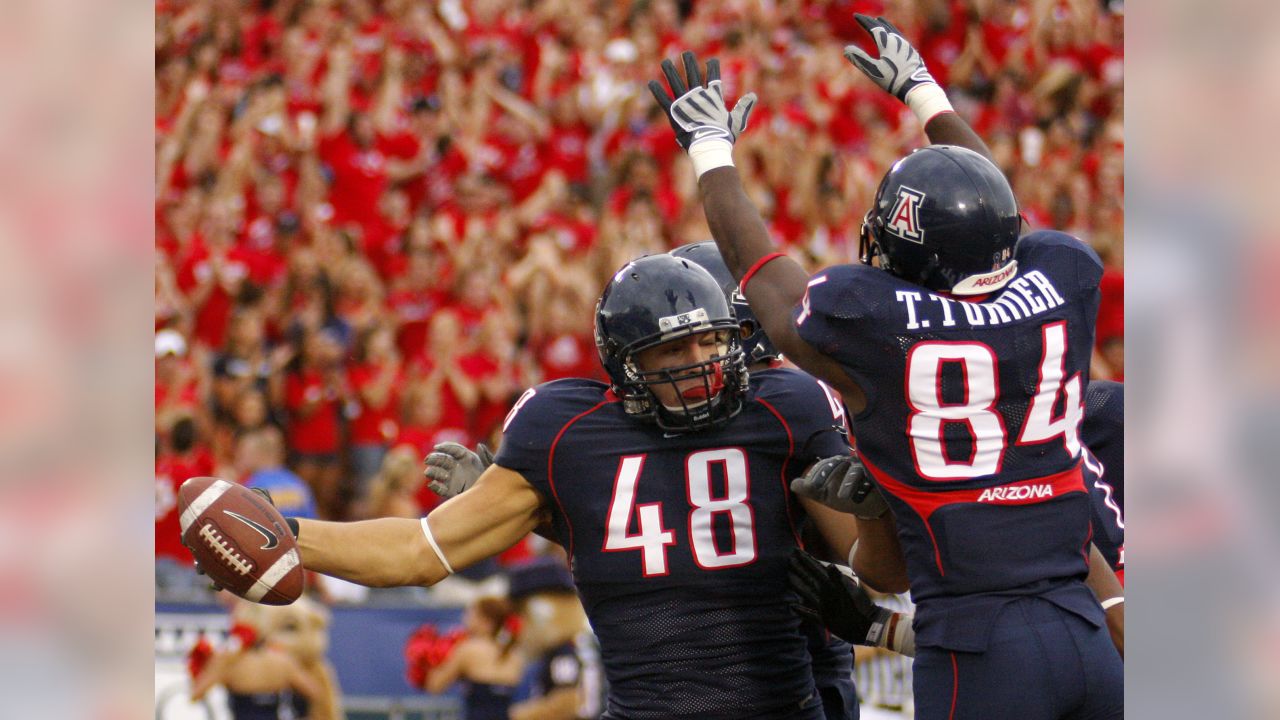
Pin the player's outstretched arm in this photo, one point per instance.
(900, 71)
(771, 282)
(492, 516)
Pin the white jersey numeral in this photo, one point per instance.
(929, 415)
(926, 424)
(511, 414)
(1041, 425)
(653, 537)
(705, 508)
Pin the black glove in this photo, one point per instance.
(697, 111)
(200, 571)
(841, 483)
(899, 69)
(452, 469)
(832, 595)
(291, 522)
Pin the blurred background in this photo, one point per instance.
(377, 223)
(81, 162)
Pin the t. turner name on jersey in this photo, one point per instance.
(1027, 296)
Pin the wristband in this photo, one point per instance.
(293, 526)
(927, 101)
(710, 154)
(750, 273)
(901, 635)
(431, 540)
(1112, 602)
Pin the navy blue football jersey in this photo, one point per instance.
(1103, 436)
(972, 428)
(680, 542)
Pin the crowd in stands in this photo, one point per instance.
(378, 221)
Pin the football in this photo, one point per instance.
(240, 540)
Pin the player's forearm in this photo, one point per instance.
(743, 241)
(1106, 586)
(735, 223)
(387, 552)
(950, 129)
(877, 556)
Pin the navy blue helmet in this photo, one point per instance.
(944, 217)
(656, 299)
(755, 344)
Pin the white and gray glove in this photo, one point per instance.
(697, 111)
(841, 483)
(899, 69)
(452, 469)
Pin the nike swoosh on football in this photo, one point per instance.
(272, 540)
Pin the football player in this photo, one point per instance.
(668, 487)
(831, 657)
(452, 468)
(963, 354)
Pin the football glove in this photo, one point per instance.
(833, 595)
(697, 111)
(452, 468)
(899, 69)
(841, 483)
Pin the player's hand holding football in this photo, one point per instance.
(841, 483)
(697, 112)
(832, 594)
(240, 541)
(452, 469)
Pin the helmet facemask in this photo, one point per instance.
(714, 397)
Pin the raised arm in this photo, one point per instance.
(772, 283)
(708, 130)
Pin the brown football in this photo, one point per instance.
(240, 540)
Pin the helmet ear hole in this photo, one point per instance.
(746, 329)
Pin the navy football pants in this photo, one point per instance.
(1042, 663)
(839, 701)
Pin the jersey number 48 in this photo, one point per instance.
(653, 536)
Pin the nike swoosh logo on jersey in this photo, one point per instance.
(271, 538)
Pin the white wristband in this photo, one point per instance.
(927, 100)
(431, 540)
(853, 550)
(710, 154)
(1112, 602)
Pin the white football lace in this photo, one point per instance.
(215, 540)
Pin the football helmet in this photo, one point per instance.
(755, 344)
(651, 301)
(944, 217)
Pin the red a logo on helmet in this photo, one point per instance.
(904, 221)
